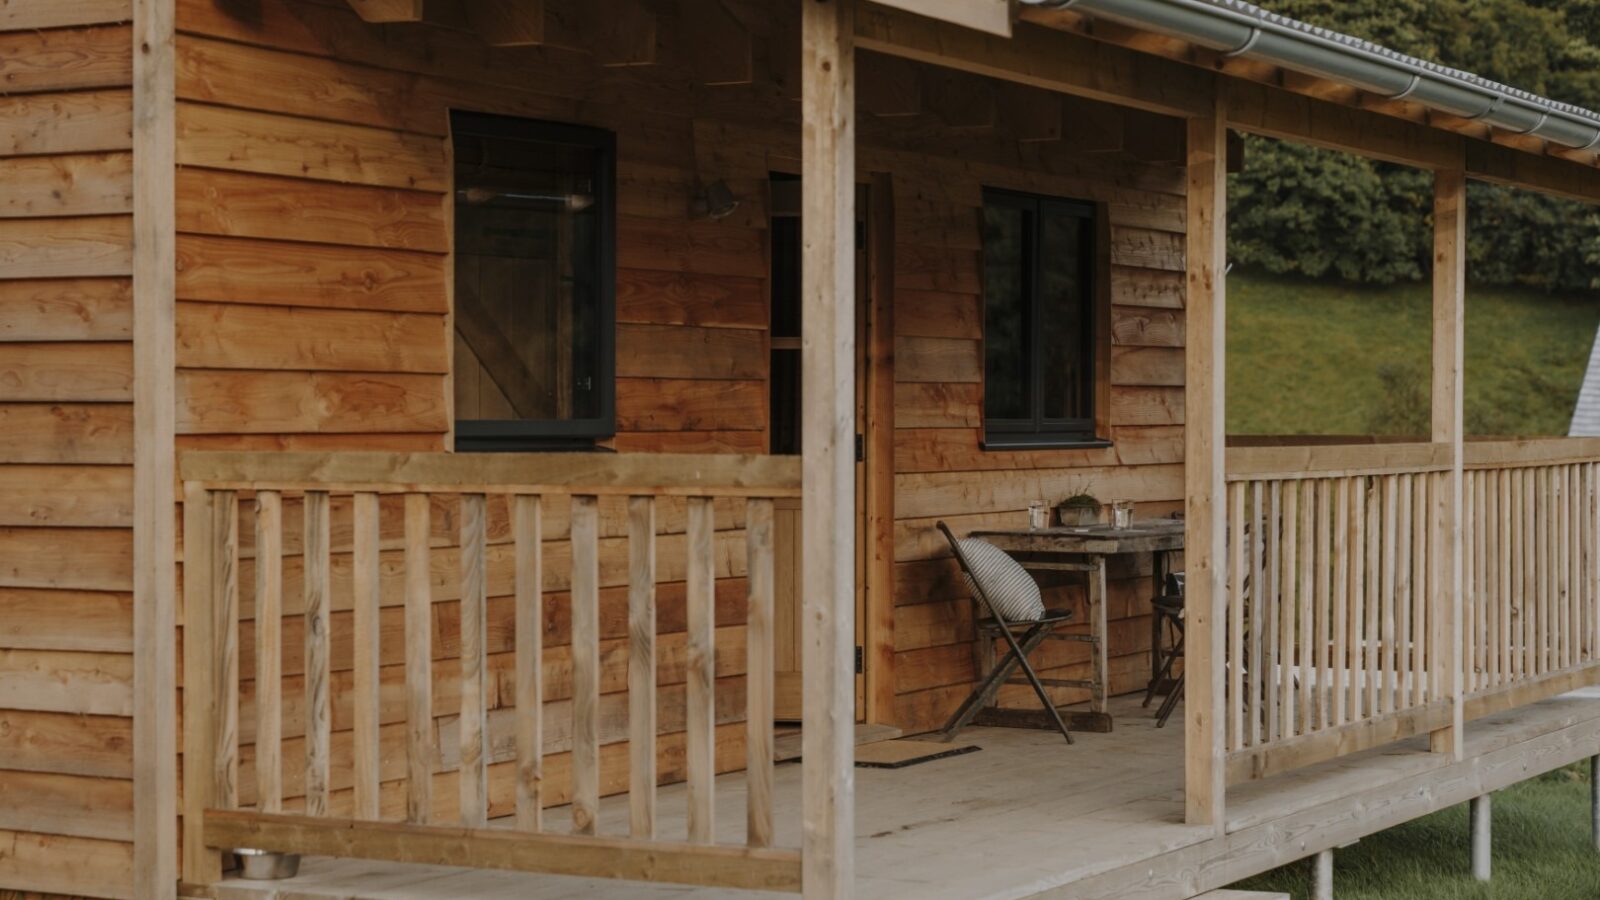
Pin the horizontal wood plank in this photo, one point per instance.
(66, 309)
(240, 336)
(281, 273)
(66, 433)
(75, 122)
(94, 496)
(66, 59)
(55, 248)
(66, 372)
(95, 621)
(89, 184)
(236, 204)
(98, 559)
(243, 402)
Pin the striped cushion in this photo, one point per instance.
(1010, 589)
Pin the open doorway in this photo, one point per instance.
(785, 416)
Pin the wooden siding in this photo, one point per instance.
(314, 292)
(313, 312)
(66, 454)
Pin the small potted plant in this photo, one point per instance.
(1079, 509)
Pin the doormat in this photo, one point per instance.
(901, 753)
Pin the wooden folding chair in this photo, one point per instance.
(1022, 637)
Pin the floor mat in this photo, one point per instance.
(901, 753)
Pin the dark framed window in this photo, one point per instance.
(535, 283)
(1039, 324)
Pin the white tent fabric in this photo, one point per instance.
(1586, 415)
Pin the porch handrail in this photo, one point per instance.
(1338, 562)
(507, 531)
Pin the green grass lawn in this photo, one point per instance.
(1542, 851)
(1327, 358)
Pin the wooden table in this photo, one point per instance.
(1086, 549)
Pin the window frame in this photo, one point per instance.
(1039, 431)
(551, 434)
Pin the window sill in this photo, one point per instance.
(1035, 442)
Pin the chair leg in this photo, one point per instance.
(1038, 687)
(1170, 704)
(1162, 674)
(983, 694)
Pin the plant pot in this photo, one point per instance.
(1078, 516)
(266, 865)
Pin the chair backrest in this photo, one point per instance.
(984, 592)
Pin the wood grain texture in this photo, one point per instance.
(642, 723)
(474, 790)
(318, 601)
(421, 739)
(528, 626)
(367, 584)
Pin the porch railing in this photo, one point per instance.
(407, 775)
(1339, 634)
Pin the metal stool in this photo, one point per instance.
(1169, 618)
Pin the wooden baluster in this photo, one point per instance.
(364, 578)
(1545, 549)
(1474, 596)
(1358, 596)
(1421, 686)
(269, 651)
(1559, 626)
(700, 716)
(528, 536)
(319, 719)
(1236, 578)
(1374, 564)
(201, 864)
(1404, 674)
(759, 669)
(642, 667)
(585, 664)
(1305, 668)
(1324, 610)
(474, 770)
(421, 739)
(1341, 602)
(1391, 512)
(225, 631)
(1261, 625)
(1570, 644)
(1286, 609)
(1499, 512)
(1272, 533)
(1533, 563)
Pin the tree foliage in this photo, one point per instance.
(1325, 214)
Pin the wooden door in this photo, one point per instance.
(788, 564)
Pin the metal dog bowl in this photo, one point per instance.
(267, 865)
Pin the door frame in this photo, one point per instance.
(875, 690)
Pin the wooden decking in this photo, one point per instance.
(1030, 816)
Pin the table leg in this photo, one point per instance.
(1097, 625)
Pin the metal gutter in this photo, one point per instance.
(1236, 28)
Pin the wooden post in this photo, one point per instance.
(1322, 879)
(879, 446)
(828, 188)
(1594, 799)
(1205, 507)
(155, 688)
(1481, 840)
(1449, 313)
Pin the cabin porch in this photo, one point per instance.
(1027, 815)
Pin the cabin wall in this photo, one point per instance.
(314, 296)
(66, 447)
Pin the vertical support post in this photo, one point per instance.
(1204, 459)
(1322, 879)
(155, 683)
(1449, 314)
(828, 358)
(1481, 839)
(1594, 800)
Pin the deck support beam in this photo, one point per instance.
(828, 361)
(1449, 315)
(1482, 839)
(1205, 770)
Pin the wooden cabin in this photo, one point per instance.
(454, 433)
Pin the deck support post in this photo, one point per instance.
(1482, 837)
(828, 361)
(1594, 800)
(1322, 879)
(1449, 314)
(1205, 767)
